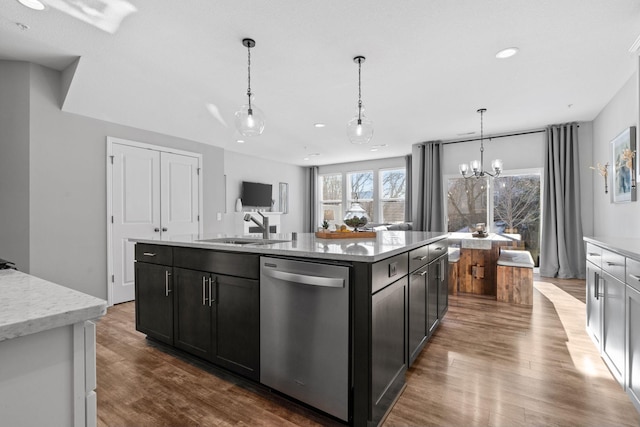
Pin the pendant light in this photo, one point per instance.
(477, 166)
(359, 129)
(250, 119)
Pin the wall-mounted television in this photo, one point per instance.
(256, 194)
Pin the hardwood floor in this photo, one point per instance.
(489, 364)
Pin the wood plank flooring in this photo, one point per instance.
(489, 364)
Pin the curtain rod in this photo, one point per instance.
(489, 138)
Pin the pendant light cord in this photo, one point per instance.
(249, 74)
(359, 90)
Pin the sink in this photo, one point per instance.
(242, 241)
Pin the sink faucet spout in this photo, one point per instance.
(264, 225)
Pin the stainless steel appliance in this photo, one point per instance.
(304, 332)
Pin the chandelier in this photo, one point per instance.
(476, 167)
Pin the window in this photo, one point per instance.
(508, 205)
(392, 194)
(331, 198)
(361, 190)
(380, 192)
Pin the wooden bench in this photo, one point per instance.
(454, 273)
(515, 277)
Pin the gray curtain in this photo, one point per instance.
(430, 194)
(408, 188)
(562, 246)
(312, 202)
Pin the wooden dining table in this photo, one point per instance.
(477, 267)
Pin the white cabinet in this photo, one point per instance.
(633, 331)
(613, 325)
(594, 304)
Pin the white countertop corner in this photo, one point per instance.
(29, 305)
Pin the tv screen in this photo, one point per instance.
(256, 194)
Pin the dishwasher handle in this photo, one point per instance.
(303, 279)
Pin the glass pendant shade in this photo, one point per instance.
(360, 129)
(475, 165)
(250, 120)
(464, 168)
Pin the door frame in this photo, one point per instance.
(109, 166)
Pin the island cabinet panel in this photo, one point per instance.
(417, 313)
(228, 263)
(432, 298)
(193, 314)
(236, 335)
(443, 285)
(388, 345)
(154, 300)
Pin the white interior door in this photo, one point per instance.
(135, 211)
(179, 194)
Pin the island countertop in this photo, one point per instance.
(29, 304)
(307, 245)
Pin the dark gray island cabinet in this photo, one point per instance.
(204, 298)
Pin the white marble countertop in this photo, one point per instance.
(29, 304)
(307, 245)
(627, 247)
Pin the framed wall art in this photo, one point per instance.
(624, 166)
(283, 197)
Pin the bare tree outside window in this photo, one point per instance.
(393, 189)
(466, 203)
(517, 209)
(362, 190)
(331, 199)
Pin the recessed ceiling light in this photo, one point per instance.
(240, 141)
(319, 125)
(32, 4)
(306, 158)
(373, 149)
(507, 53)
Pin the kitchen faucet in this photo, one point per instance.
(264, 225)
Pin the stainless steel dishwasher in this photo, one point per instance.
(304, 332)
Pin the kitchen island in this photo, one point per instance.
(206, 295)
(47, 352)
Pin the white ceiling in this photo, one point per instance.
(430, 65)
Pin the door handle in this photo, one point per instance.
(157, 230)
(211, 299)
(204, 292)
(164, 228)
(166, 283)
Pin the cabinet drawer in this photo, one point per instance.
(388, 271)
(594, 254)
(418, 258)
(613, 264)
(228, 263)
(633, 273)
(154, 254)
(437, 249)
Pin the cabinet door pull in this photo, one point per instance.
(164, 228)
(421, 258)
(211, 298)
(635, 277)
(611, 264)
(204, 292)
(420, 273)
(166, 283)
(149, 254)
(593, 254)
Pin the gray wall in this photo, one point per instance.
(239, 167)
(14, 163)
(614, 219)
(53, 181)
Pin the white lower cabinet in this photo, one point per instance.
(613, 325)
(632, 340)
